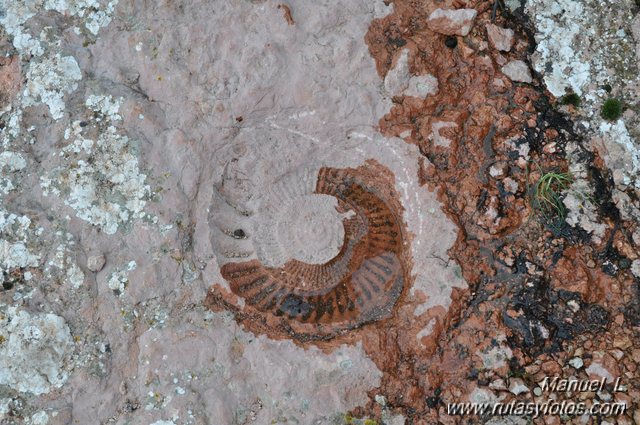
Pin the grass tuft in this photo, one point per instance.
(547, 194)
(571, 99)
(611, 109)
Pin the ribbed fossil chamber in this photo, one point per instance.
(356, 282)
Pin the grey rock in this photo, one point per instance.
(517, 71)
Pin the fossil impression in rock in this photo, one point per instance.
(321, 252)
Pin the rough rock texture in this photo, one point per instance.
(589, 49)
(535, 279)
(314, 212)
(110, 166)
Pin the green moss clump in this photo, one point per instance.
(611, 109)
(370, 422)
(571, 99)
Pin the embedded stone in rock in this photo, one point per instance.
(437, 138)
(452, 22)
(517, 71)
(576, 363)
(422, 86)
(397, 79)
(400, 81)
(603, 365)
(95, 263)
(500, 38)
(517, 387)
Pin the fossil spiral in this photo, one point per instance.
(322, 249)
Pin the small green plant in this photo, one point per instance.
(571, 99)
(547, 194)
(611, 109)
(350, 420)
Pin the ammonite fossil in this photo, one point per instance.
(322, 252)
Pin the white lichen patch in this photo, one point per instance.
(16, 13)
(39, 418)
(48, 81)
(63, 265)
(626, 155)
(583, 45)
(95, 14)
(14, 233)
(581, 210)
(579, 197)
(10, 163)
(12, 129)
(559, 23)
(119, 279)
(15, 255)
(34, 351)
(106, 105)
(100, 179)
(586, 47)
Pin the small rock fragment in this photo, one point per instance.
(604, 395)
(95, 263)
(635, 268)
(422, 86)
(574, 306)
(576, 363)
(551, 368)
(500, 38)
(517, 386)
(397, 79)
(617, 354)
(603, 366)
(439, 139)
(499, 85)
(517, 71)
(510, 185)
(452, 22)
(498, 384)
(499, 170)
